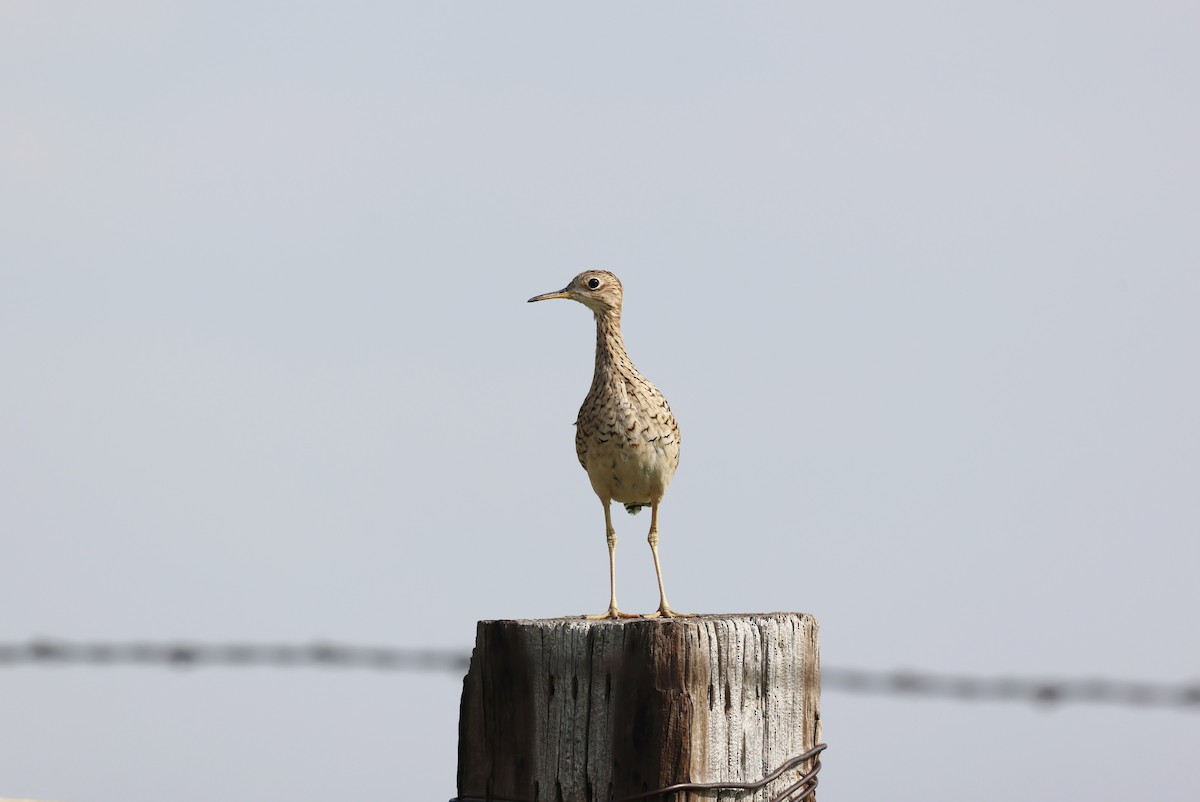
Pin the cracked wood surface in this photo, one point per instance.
(590, 711)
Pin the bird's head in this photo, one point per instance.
(598, 290)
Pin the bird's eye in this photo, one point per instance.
(593, 283)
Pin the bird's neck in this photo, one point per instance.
(610, 345)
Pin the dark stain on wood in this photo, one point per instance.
(496, 724)
(654, 714)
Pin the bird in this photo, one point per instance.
(626, 436)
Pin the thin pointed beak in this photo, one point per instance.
(560, 294)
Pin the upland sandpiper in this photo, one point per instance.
(625, 437)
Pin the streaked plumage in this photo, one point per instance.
(626, 436)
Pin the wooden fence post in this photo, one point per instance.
(570, 710)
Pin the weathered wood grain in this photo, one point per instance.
(591, 711)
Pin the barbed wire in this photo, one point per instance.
(181, 655)
(1044, 692)
(186, 655)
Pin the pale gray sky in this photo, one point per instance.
(920, 281)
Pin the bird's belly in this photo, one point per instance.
(631, 472)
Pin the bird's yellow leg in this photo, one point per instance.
(664, 609)
(613, 611)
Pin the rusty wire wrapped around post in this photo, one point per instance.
(805, 785)
(803, 788)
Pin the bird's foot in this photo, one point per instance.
(613, 612)
(664, 611)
